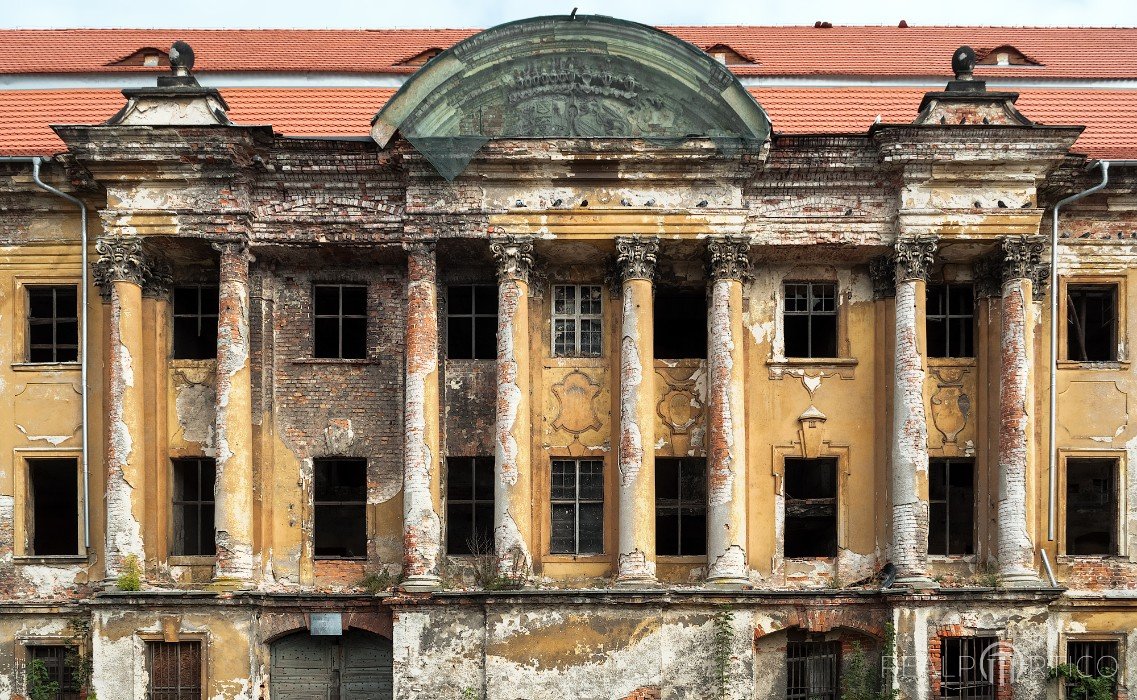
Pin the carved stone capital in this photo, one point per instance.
(728, 257)
(882, 270)
(636, 257)
(915, 257)
(514, 257)
(120, 260)
(236, 246)
(986, 273)
(420, 248)
(1022, 257)
(158, 280)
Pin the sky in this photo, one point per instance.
(485, 13)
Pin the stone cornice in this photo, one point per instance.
(915, 257)
(636, 257)
(514, 257)
(728, 257)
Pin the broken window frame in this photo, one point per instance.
(954, 321)
(596, 469)
(789, 464)
(340, 503)
(968, 681)
(339, 317)
(680, 331)
(475, 542)
(61, 350)
(205, 536)
(1074, 347)
(947, 464)
(814, 317)
(184, 680)
(69, 463)
(813, 670)
(581, 343)
(60, 661)
(1094, 508)
(204, 318)
(453, 318)
(693, 509)
(1088, 653)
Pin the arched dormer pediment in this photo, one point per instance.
(567, 77)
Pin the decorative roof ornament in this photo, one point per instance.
(178, 99)
(966, 101)
(963, 63)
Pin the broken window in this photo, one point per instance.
(680, 328)
(577, 506)
(1091, 322)
(952, 504)
(811, 670)
(469, 505)
(174, 670)
(340, 500)
(60, 663)
(680, 506)
(195, 322)
(341, 321)
(951, 320)
(471, 322)
(1094, 658)
(53, 324)
(52, 508)
(576, 320)
(809, 320)
(967, 667)
(1091, 506)
(193, 506)
(811, 507)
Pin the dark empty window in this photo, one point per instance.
(60, 663)
(469, 505)
(1094, 658)
(471, 322)
(52, 508)
(811, 507)
(341, 321)
(967, 667)
(809, 320)
(952, 503)
(1091, 322)
(53, 324)
(680, 324)
(1091, 506)
(680, 506)
(577, 506)
(951, 320)
(576, 320)
(340, 527)
(174, 669)
(811, 670)
(195, 322)
(193, 507)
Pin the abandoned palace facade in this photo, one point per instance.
(576, 377)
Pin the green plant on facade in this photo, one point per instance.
(1084, 686)
(131, 577)
(40, 684)
(723, 625)
(380, 582)
(79, 659)
(488, 572)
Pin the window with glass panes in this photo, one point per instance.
(576, 320)
(193, 506)
(809, 319)
(340, 503)
(469, 505)
(577, 505)
(471, 322)
(951, 501)
(195, 321)
(174, 670)
(60, 663)
(680, 506)
(340, 312)
(811, 670)
(950, 320)
(53, 324)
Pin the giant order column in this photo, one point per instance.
(1021, 263)
(914, 259)
(120, 272)
(729, 264)
(422, 528)
(512, 486)
(636, 259)
(233, 490)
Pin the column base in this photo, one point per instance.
(917, 583)
(728, 582)
(1019, 579)
(637, 582)
(226, 583)
(421, 584)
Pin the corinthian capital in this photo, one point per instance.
(915, 257)
(636, 256)
(158, 281)
(1022, 258)
(235, 246)
(728, 257)
(120, 260)
(514, 257)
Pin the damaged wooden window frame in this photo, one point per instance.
(679, 328)
(968, 667)
(192, 514)
(680, 506)
(331, 496)
(1075, 346)
(813, 669)
(52, 314)
(577, 311)
(195, 312)
(469, 505)
(568, 497)
(1102, 495)
(347, 325)
(951, 503)
(813, 305)
(798, 505)
(59, 660)
(175, 670)
(950, 320)
(471, 322)
(29, 495)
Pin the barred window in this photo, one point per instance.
(1094, 658)
(577, 506)
(60, 663)
(195, 321)
(53, 324)
(340, 312)
(340, 519)
(469, 505)
(811, 670)
(950, 320)
(968, 667)
(952, 502)
(471, 322)
(174, 670)
(809, 319)
(576, 320)
(193, 506)
(680, 506)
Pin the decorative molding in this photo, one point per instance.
(915, 257)
(236, 246)
(882, 270)
(987, 277)
(728, 257)
(514, 257)
(121, 259)
(950, 405)
(576, 396)
(420, 247)
(636, 256)
(1022, 257)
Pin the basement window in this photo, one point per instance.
(810, 319)
(195, 322)
(60, 663)
(576, 320)
(1094, 658)
(1091, 506)
(577, 506)
(967, 667)
(340, 500)
(53, 324)
(811, 507)
(469, 505)
(193, 507)
(174, 670)
(52, 507)
(680, 506)
(680, 331)
(952, 505)
(471, 322)
(811, 670)
(1091, 322)
(951, 320)
(341, 321)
